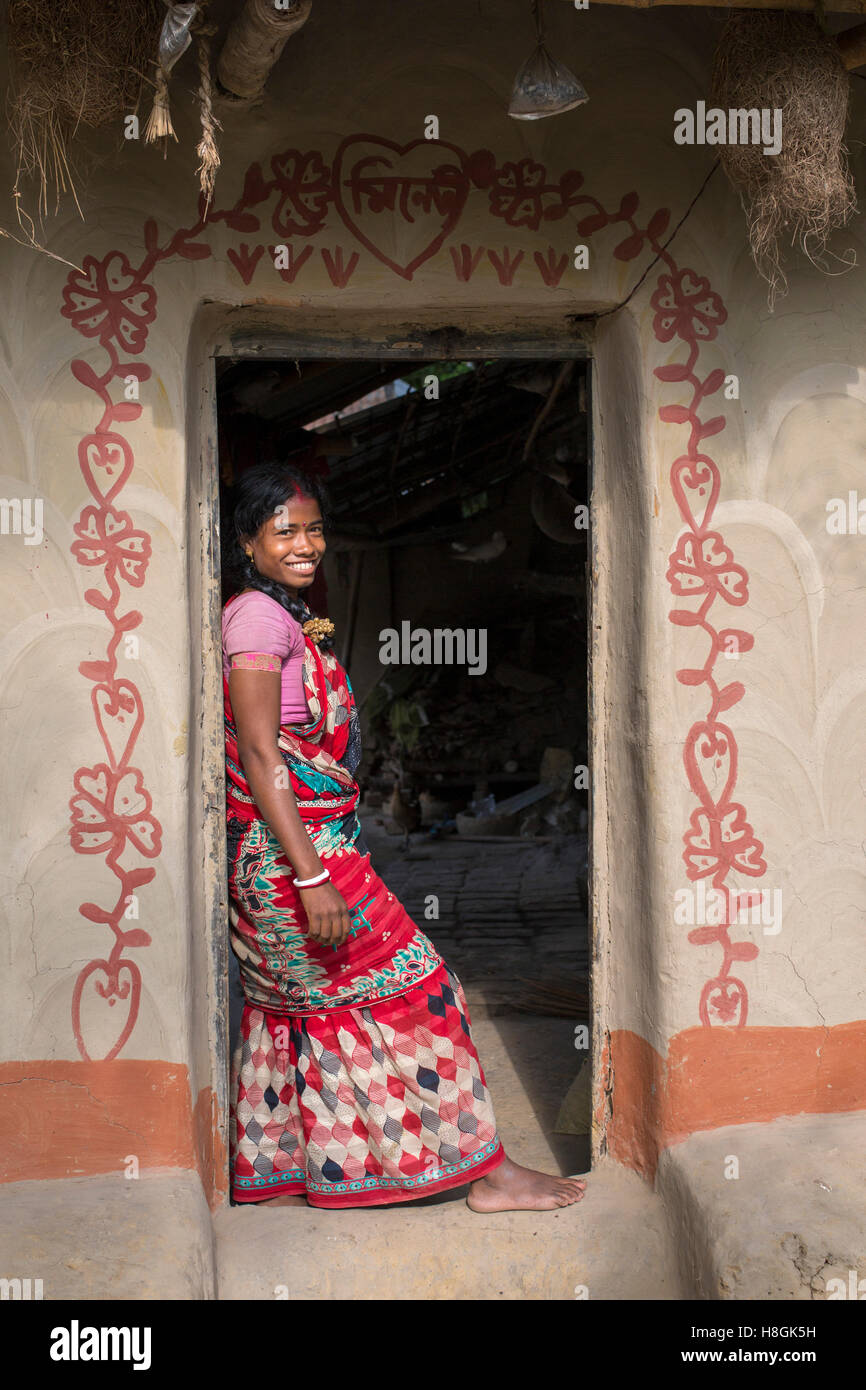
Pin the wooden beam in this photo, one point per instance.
(352, 616)
(852, 46)
(834, 6)
(850, 42)
(254, 42)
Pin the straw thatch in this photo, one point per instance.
(73, 63)
(783, 61)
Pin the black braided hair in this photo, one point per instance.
(259, 492)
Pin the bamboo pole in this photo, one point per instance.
(254, 42)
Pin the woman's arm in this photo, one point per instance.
(255, 700)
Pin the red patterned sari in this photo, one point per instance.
(355, 1080)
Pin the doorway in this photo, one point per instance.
(459, 493)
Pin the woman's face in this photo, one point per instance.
(289, 545)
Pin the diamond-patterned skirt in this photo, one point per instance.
(361, 1107)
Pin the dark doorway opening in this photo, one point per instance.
(456, 492)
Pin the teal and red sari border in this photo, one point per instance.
(371, 1191)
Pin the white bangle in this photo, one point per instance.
(311, 882)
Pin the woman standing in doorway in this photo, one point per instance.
(355, 1081)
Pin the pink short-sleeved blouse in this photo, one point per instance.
(253, 622)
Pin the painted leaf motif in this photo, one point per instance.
(672, 371)
(482, 168)
(704, 936)
(255, 188)
(658, 223)
(714, 382)
(743, 950)
(594, 223)
(734, 638)
(96, 599)
(136, 937)
(628, 249)
(570, 182)
(137, 877)
(95, 670)
(242, 221)
(83, 372)
(684, 617)
(94, 913)
(675, 414)
(193, 250)
(731, 694)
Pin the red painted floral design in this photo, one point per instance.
(686, 308)
(109, 302)
(702, 569)
(303, 182)
(703, 564)
(518, 192)
(424, 186)
(722, 839)
(107, 537)
(112, 810)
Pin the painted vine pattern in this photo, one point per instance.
(422, 188)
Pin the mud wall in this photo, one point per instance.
(728, 748)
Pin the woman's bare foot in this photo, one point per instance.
(512, 1188)
(286, 1200)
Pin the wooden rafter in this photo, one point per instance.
(834, 7)
(254, 42)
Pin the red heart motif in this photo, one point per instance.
(734, 829)
(104, 997)
(724, 1001)
(748, 858)
(131, 797)
(710, 757)
(119, 716)
(94, 784)
(692, 284)
(714, 551)
(105, 457)
(425, 183)
(146, 835)
(700, 856)
(696, 484)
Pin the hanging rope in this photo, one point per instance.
(207, 147)
(183, 24)
(174, 40)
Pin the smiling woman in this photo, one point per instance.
(355, 1080)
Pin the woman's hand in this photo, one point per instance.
(327, 914)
